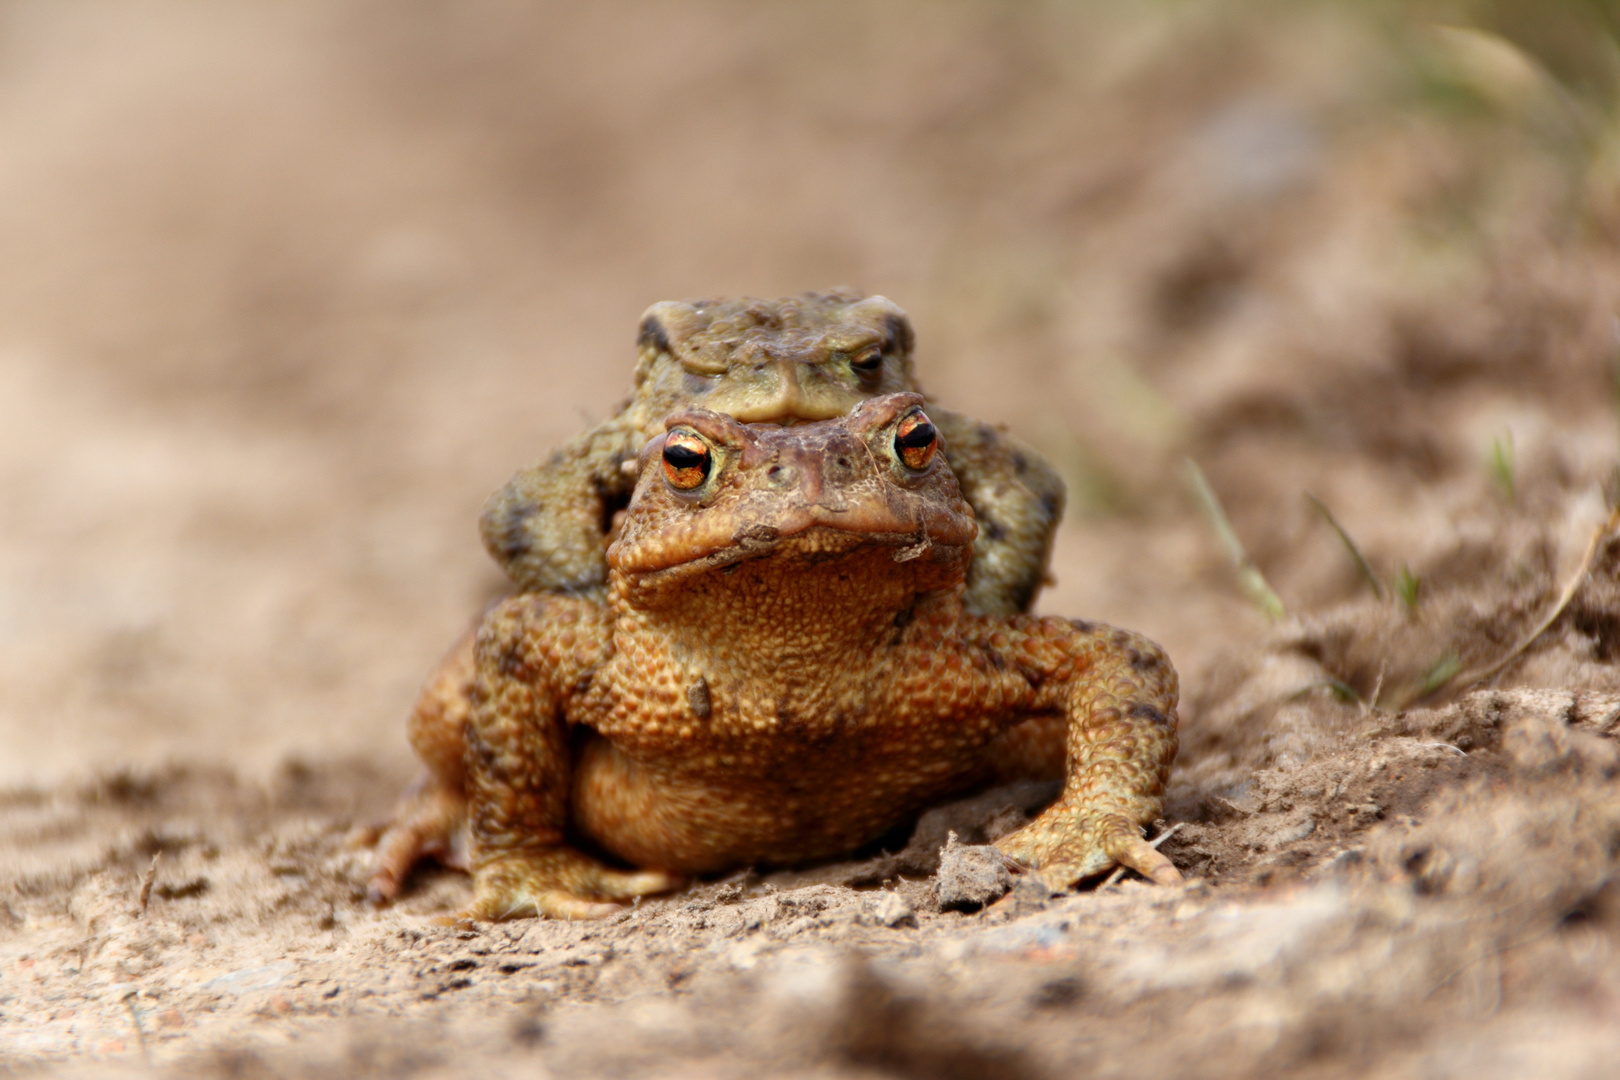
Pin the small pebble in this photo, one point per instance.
(892, 909)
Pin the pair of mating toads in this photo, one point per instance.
(768, 630)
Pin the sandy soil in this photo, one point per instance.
(288, 289)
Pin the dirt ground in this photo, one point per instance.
(287, 289)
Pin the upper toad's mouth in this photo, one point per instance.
(790, 415)
(793, 392)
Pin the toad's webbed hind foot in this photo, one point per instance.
(558, 882)
(1065, 846)
(431, 820)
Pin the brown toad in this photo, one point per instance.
(803, 358)
(783, 672)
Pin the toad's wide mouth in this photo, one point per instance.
(909, 528)
(784, 407)
(798, 412)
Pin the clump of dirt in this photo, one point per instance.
(970, 877)
(291, 289)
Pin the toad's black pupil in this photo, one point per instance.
(868, 363)
(684, 457)
(918, 437)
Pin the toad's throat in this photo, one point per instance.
(815, 606)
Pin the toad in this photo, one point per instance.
(803, 358)
(784, 670)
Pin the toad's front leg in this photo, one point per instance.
(545, 527)
(1018, 500)
(531, 652)
(1118, 691)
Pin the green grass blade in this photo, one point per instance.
(1252, 581)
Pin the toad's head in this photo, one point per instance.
(865, 494)
(803, 358)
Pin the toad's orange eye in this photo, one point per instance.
(916, 441)
(687, 460)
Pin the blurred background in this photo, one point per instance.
(287, 289)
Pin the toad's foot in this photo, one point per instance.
(559, 883)
(1065, 846)
(431, 820)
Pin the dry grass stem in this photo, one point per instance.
(1601, 533)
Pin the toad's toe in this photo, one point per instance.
(557, 883)
(1066, 846)
(430, 820)
(1145, 859)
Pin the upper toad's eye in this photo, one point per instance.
(916, 441)
(868, 363)
(687, 460)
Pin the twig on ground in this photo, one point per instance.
(146, 885)
(1445, 746)
(135, 1018)
(1371, 703)
(1167, 834)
